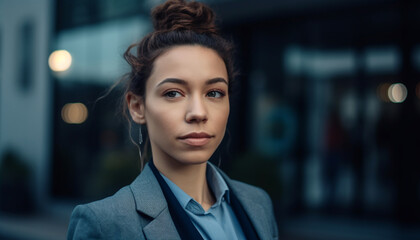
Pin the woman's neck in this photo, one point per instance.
(191, 178)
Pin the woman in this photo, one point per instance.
(179, 89)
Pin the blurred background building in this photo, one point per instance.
(326, 116)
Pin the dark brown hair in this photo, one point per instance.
(176, 22)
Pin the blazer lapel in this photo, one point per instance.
(161, 227)
(150, 201)
(252, 207)
(255, 213)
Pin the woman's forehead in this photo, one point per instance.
(189, 63)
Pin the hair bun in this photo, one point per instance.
(181, 15)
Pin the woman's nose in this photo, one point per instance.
(196, 111)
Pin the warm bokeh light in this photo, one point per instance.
(382, 92)
(74, 113)
(397, 93)
(60, 60)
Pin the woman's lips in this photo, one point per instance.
(196, 139)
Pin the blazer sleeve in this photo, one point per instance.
(84, 224)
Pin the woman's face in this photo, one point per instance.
(187, 104)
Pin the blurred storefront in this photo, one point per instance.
(325, 116)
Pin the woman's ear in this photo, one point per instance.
(135, 105)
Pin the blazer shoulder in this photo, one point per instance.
(109, 218)
(252, 191)
(116, 204)
(245, 186)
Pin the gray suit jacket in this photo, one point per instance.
(140, 211)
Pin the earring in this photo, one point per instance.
(140, 136)
(140, 141)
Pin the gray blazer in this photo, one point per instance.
(140, 211)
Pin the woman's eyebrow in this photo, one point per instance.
(216, 80)
(173, 80)
(183, 82)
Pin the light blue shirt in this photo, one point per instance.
(219, 222)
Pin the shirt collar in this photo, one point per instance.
(216, 183)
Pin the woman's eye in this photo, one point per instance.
(172, 94)
(215, 94)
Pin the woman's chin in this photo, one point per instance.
(193, 158)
